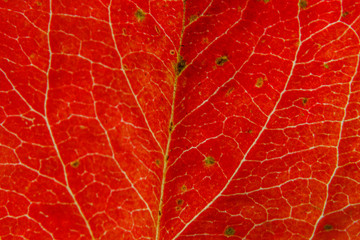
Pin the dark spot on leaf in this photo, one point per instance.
(229, 91)
(125, 67)
(326, 65)
(229, 231)
(193, 18)
(183, 188)
(124, 32)
(177, 208)
(205, 40)
(157, 162)
(250, 131)
(140, 15)
(304, 101)
(259, 82)
(159, 213)
(266, 1)
(209, 161)
(303, 4)
(344, 14)
(328, 227)
(179, 202)
(157, 29)
(180, 65)
(172, 52)
(75, 163)
(171, 127)
(220, 61)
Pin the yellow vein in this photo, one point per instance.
(251, 147)
(128, 81)
(171, 124)
(340, 133)
(51, 133)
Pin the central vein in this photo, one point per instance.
(180, 66)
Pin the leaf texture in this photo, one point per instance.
(181, 120)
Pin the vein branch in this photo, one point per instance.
(250, 148)
(51, 132)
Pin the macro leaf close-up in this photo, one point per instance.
(179, 119)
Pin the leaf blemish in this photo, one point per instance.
(304, 101)
(220, 61)
(183, 188)
(75, 164)
(303, 4)
(345, 14)
(179, 202)
(209, 161)
(181, 64)
(124, 33)
(326, 65)
(157, 29)
(193, 18)
(171, 127)
(229, 231)
(205, 40)
(229, 91)
(140, 15)
(328, 227)
(259, 82)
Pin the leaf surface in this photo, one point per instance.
(179, 120)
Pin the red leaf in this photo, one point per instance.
(179, 120)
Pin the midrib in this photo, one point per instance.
(171, 129)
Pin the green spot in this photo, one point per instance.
(304, 101)
(220, 61)
(180, 65)
(303, 4)
(326, 65)
(266, 1)
(344, 14)
(75, 164)
(259, 82)
(193, 18)
(183, 188)
(250, 131)
(328, 227)
(229, 231)
(140, 15)
(209, 161)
